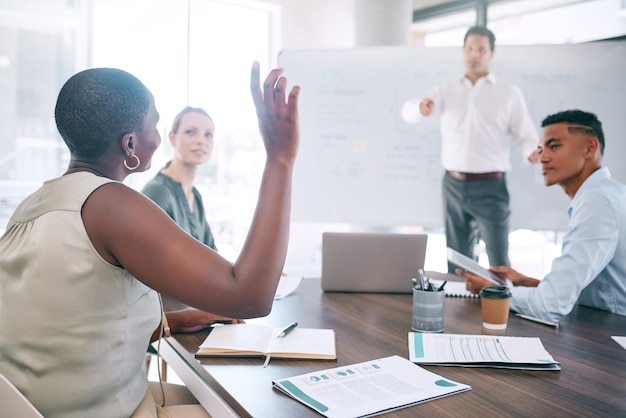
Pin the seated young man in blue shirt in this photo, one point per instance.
(591, 270)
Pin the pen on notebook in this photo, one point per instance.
(267, 360)
(541, 321)
(287, 330)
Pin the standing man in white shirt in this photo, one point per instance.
(479, 114)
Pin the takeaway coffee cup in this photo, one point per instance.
(428, 308)
(494, 301)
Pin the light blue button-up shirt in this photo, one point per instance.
(591, 270)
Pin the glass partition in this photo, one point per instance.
(42, 43)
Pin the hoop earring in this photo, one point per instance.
(136, 165)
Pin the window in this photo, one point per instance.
(194, 52)
(580, 22)
(526, 22)
(42, 43)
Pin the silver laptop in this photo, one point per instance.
(371, 262)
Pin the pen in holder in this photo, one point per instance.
(428, 308)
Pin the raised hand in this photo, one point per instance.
(278, 119)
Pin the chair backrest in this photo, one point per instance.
(14, 404)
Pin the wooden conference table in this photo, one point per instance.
(592, 382)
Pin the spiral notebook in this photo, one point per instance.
(455, 285)
(455, 289)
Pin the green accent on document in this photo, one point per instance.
(444, 383)
(418, 343)
(296, 392)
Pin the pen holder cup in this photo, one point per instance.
(428, 308)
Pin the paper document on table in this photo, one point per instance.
(620, 340)
(496, 351)
(368, 388)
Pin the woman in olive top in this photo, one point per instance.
(173, 190)
(173, 187)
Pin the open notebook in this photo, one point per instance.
(252, 340)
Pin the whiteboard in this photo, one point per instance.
(360, 163)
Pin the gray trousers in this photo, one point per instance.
(474, 210)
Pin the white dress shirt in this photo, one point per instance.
(476, 121)
(591, 270)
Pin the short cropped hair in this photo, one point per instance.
(188, 109)
(581, 118)
(98, 106)
(481, 31)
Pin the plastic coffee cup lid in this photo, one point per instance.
(495, 292)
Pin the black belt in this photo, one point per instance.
(475, 176)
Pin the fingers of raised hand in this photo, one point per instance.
(264, 98)
(255, 85)
(278, 119)
(274, 89)
(279, 91)
(270, 100)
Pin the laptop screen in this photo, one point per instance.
(371, 262)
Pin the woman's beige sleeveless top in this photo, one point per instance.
(74, 329)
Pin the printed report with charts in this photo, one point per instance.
(252, 340)
(369, 388)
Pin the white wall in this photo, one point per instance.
(316, 24)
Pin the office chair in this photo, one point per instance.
(14, 404)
